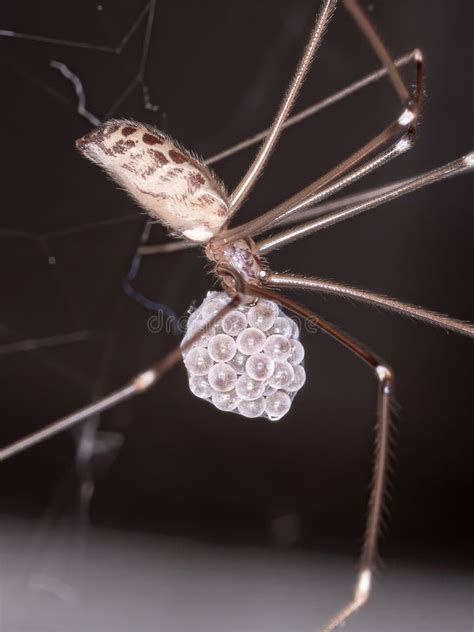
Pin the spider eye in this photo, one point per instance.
(172, 185)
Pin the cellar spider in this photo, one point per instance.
(208, 223)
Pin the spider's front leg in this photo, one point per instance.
(324, 286)
(383, 374)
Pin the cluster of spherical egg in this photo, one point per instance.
(249, 362)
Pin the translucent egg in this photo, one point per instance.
(222, 348)
(261, 316)
(254, 408)
(272, 305)
(277, 347)
(222, 377)
(200, 386)
(205, 336)
(296, 352)
(260, 366)
(210, 309)
(193, 314)
(234, 322)
(251, 340)
(225, 401)
(269, 390)
(298, 380)
(277, 405)
(218, 327)
(282, 326)
(282, 376)
(249, 389)
(295, 328)
(198, 361)
(249, 362)
(238, 362)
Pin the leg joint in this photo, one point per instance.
(408, 116)
(363, 586)
(144, 380)
(418, 55)
(385, 376)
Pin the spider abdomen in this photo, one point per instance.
(171, 184)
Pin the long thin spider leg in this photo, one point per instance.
(362, 588)
(297, 118)
(320, 188)
(379, 48)
(410, 101)
(301, 202)
(315, 108)
(295, 206)
(166, 247)
(342, 202)
(137, 385)
(176, 245)
(461, 165)
(378, 300)
(315, 211)
(406, 122)
(256, 167)
(173, 246)
(289, 212)
(32, 344)
(318, 210)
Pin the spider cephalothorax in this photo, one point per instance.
(239, 257)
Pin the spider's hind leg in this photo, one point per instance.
(384, 376)
(136, 386)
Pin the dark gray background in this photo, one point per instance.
(217, 71)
